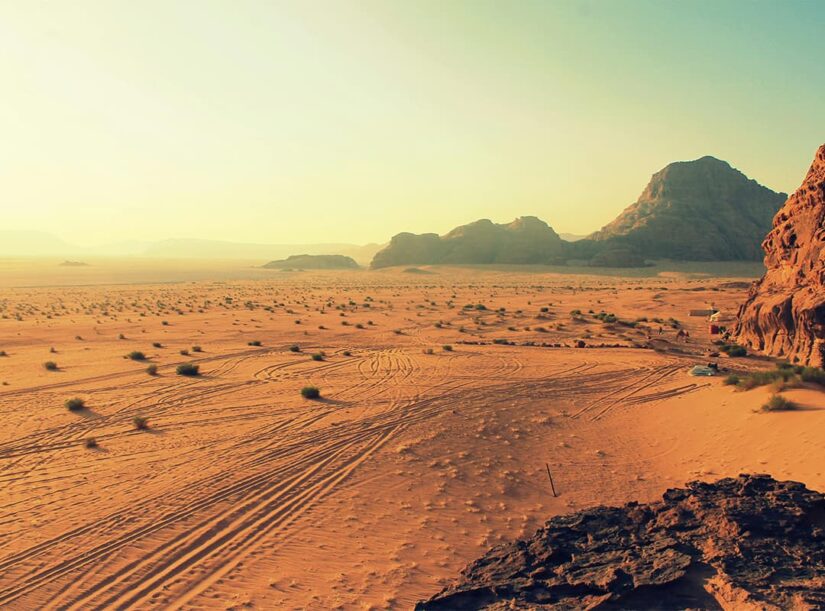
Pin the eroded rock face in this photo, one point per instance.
(701, 210)
(744, 543)
(525, 240)
(784, 314)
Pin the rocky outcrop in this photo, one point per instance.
(702, 210)
(526, 240)
(744, 543)
(313, 262)
(784, 314)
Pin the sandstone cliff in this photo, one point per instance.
(702, 210)
(525, 240)
(784, 314)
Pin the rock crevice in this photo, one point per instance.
(747, 543)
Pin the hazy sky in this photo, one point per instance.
(351, 121)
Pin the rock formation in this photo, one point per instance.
(525, 240)
(784, 314)
(702, 210)
(313, 262)
(744, 543)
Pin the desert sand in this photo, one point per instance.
(446, 396)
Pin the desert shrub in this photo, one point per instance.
(359, 326)
(141, 423)
(347, 353)
(763, 378)
(75, 405)
(152, 370)
(447, 348)
(731, 380)
(3, 353)
(184, 352)
(294, 348)
(778, 403)
(580, 343)
(310, 392)
(428, 350)
(50, 366)
(90, 443)
(733, 350)
(187, 369)
(121, 336)
(136, 355)
(157, 345)
(813, 374)
(254, 342)
(317, 357)
(197, 349)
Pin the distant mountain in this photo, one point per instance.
(214, 249)
(313, 262)
(571, 237)
(702, 210)
(33, 244)
(525, 240)
(41, 244)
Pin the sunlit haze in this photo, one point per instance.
(352, 121)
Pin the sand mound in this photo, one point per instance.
(746, 542)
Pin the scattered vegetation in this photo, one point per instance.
(50, 366)
(778, 403)
(311, 392)
(136, 355)
(141, 423)
(91, 443)
(731, 380)
(784, 376)
(733, 350)
(188, 369)
(254, 342)
(152, 370)
(75, 404)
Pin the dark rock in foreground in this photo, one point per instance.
(313, 262)
(744, 543)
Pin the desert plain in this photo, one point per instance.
(448, 395)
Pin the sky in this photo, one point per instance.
(345, 121)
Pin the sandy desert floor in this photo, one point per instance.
(417, 458)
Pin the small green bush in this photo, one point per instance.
(254, 342)
(136, 355)
(50, 366)
(310, 392)
(157, 345)
(731, 380)
(187, 369)
(75, 405)
(152, 370)
(90, 443)
(447, 348)
(778, 403)
(197, 349)
(813, 374)
(294, 348)
(141, 423)
(317, 357)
